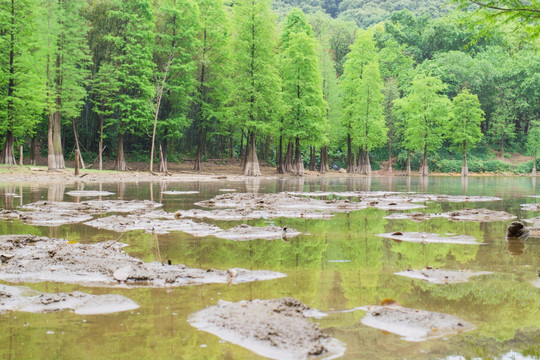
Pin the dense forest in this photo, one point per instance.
(317, 83)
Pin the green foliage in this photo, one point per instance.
(256, 82)
(131, 55)
(463, 129)
(424, 111)
(302, 86)
(22, 80)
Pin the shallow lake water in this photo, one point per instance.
(337, 264)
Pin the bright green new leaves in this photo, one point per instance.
(21, 78)
(425, 111)
(362, 87)
(302, 89)
(463, 129)
(177, 29)
(256, 84)
(132, 56)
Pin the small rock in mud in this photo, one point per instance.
(439, 276)
(517, 229)
(245, 232)
(15, 298)
(38, 259)
(277, 328)
(413, 324)
(476, 215)
(422, 237)
(89, 193)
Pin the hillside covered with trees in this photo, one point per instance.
(413, 85)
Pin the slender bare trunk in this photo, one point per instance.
(33, 146)
(390, 167)
(312, 158)
(298, 163)
(163, 163)
(289, 166)
(101, 140)
(198, 166)
(408, 163)
(78, 153)
(533, 173)
(350, 161)
(279, 156)
(464, 167)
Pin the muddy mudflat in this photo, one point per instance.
(441, 276)
(473, 215)
(424, 238)
(28, 258)
(275, 329)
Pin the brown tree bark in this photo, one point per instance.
(33, 147)
(323, 166)
(120, 164)
(251, 166)
(288, 165)
(464, 167)
(390, 167)
(424, 165)
(350, 160)
(198, 166)
(298, 163)
(279, 156)
(163, 163)
(8, 156)
(312, 158)
(408, 163)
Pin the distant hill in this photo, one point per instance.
(363, 12)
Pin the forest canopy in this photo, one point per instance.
(291, 83)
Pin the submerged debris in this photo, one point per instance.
(438, 276)
(22, 298)
(43, 259)
(423, 237)
(277, 328)
(476, 215)
(413, 324)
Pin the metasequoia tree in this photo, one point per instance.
(21, 80)
(463, 129)
(362, 85)
(131, 55)
(177, 27)
(425, 111)
(213, 59)
(64, 33)
(256, 83)
(533, 142)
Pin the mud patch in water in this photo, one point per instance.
(439, 276)
(413, 324)
(277, 328)
(423, 237)
(22, 298)
(475, 215)
(34, 259)
(89, 193)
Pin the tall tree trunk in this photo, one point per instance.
(8, 156)
(367, 164)
(279, 157)
(288, 165)
(100, 145)
(251, 166)
(81, 161)
(198, 166)
(312, 158)
(120, 160)
(323, 166)
(298, 163)
(241, 154)
(350, 161)
(360, 167)
(464, 167)
(33, 154)
(424, 166)
(533, 173)
(51, 159)
(502, 148)
(408, 163)
(163, 164)
(390, 167)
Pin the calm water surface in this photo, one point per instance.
(340, 264)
